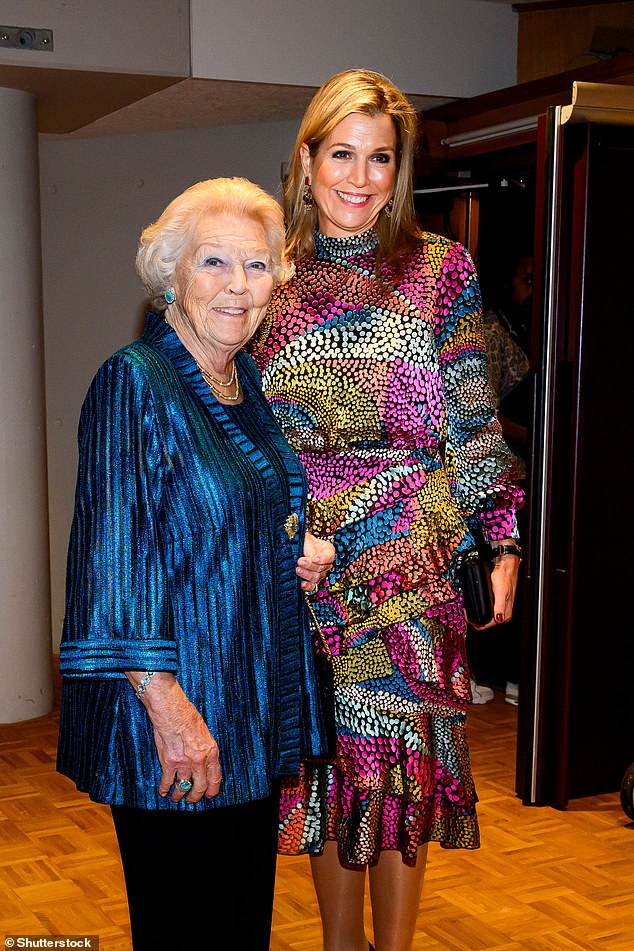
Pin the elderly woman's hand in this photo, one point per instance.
(186, 749)
(316, 562)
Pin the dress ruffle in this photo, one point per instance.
(385, 794)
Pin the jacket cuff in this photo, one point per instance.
(111, 658)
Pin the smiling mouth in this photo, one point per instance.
(232, 311)
(353, 199)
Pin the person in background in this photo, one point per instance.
(373, 360)
(507, 329)
(188, 673)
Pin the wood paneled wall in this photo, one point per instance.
(555, 38)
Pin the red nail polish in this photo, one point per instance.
(499, 618)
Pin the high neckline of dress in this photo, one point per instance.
(339, 248)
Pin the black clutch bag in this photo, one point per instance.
(475, 579)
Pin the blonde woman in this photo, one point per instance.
(373, 360)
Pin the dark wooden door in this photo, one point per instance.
(576, 721)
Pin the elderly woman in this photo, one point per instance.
(188, 676)
(374, 361)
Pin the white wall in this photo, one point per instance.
(97, 196)
(447, 48)
(116, 36)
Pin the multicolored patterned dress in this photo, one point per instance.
(383, 393)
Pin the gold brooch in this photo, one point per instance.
(291, 525)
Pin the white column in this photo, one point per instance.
(25, 634)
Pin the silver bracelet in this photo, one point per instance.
(143, 682)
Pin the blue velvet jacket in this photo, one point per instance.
(179, 561)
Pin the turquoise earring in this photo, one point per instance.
(169, 295)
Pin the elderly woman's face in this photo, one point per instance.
(224, 280)
(352, 175)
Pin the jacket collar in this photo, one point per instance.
(161, 335)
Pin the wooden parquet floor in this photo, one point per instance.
(543, 879)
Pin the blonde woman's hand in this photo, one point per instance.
(504, 583)
(316, 561)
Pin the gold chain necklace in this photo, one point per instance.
(215, 385)
(218, 382)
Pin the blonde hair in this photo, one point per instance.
(370, 93)
(162, 244)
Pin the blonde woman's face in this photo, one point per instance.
(352, 174)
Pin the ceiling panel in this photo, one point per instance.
(204, 103)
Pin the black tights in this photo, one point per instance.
(194, 878)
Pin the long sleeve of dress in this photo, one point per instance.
(478, 461)
(117, 606)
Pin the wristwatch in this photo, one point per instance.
(498, 550)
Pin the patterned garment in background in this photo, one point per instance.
(374, 388)
(508, 371)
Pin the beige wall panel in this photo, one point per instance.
(119, 36)
(428, 47)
